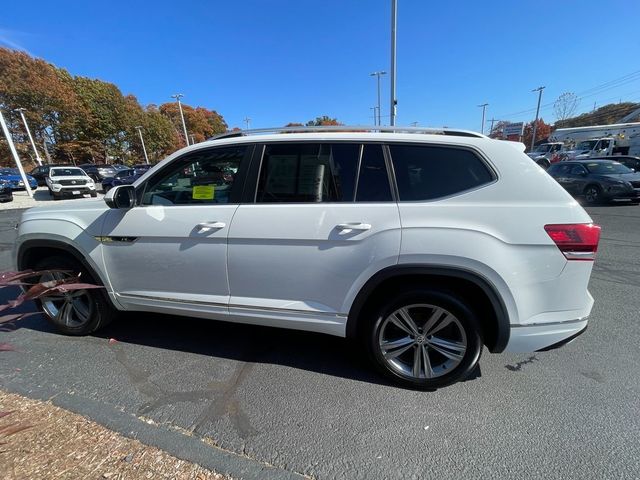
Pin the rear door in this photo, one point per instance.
(319, 219)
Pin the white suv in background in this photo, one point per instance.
(69, 181)
(423, 245)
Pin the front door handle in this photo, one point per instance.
(211, 225)
(349, 227)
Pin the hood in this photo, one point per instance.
(70, 177)
(627, 177)
(16, 178)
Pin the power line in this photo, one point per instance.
(611, 84)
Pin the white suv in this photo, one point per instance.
(423, 245)
(69, 181)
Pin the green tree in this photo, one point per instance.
(323, 120)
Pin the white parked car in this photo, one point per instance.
(423, 245)
(69, 181)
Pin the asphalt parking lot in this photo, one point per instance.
(304, 403)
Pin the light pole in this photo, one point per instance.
(247, 122)
(177, 96)
(484, 108)
(375, 115)
(535, 123)
(24, 120)
(378, 74)
(12, 147)
(394, 102)
(146, 158)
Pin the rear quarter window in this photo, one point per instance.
(430, 172)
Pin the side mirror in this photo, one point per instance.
(121, 196)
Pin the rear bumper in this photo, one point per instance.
(534, 338)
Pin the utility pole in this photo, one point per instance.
(247, 122)
(12, 147)
(24, 120)
(177, 96)
(375, 114)
(378, 74)
(144, 149)
(535, 123)
(492, 122)
(193, 139)
(484, 108)
(394, 102)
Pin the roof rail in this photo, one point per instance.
(345, 128)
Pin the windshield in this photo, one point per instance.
(606, 168)
(67, 172)
(544, 148)
(9, 171)
(586, 145)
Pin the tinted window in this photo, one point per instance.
(577, 170)
(203, 177)
(66, 172)
(426, 172)
(560, 169)
(308, 172)
(373, 181)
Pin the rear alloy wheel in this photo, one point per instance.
(425, 339)
(593, 194)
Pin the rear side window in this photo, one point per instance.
(428, 172)
(308, 173)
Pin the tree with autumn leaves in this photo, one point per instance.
(543, 131)
(78, 119)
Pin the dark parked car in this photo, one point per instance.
(108, 183)
(630, 162)
(14, 179)
(597, 180)
(6, 194)
(128, 180)
(98, 172)
(41, 172)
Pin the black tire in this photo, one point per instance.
(424, 297)
(544, 163)
(592, 194)
(100, 310)
(94, 193)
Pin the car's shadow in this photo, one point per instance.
(313, 352)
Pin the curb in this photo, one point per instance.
(184, 447)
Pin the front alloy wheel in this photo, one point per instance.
(69, 309)
(592, 194)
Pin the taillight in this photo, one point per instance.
(577, 241)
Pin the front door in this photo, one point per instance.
(172, 247)
(321, 220)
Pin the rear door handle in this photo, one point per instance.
(349, 227)
(211, 225)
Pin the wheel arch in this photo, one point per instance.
(482, 292)
(30, 252)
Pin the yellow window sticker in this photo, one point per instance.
(203, 192)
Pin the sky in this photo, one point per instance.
(281, 61)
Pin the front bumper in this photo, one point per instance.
(541, 336)
(620, 192)
(73, 189)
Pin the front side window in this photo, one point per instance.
(202, 177)
(308, 173)
(429, 172)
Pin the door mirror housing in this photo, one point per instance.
(121, 196)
